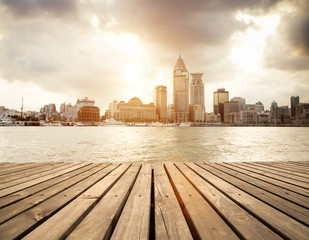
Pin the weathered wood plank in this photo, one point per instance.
(77, 209)
(18, 207)
(264, 168)
(9, 167)
(30, 183)
(272, 176)
(19, 168)
(134, 220)
(305, 177)
(170, 222)
(203, 221)
(282, 224)
(275, 181)
(247, 225)
(28, 220)
(289, 208)
(15, 180)
(100, 222)
(71, 172)
(274, 189)
(293, 167)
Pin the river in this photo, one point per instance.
(153, 144)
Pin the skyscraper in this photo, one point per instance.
(181, 91)
(197, 90)
(161, 103)
(220, 97)
(294, 102)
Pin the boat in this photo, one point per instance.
(185, 124)
(113, 122)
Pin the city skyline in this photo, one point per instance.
(54, 52)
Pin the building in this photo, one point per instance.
(171, 113)
(259, 106)
(161, 103)
(197, 113)
(197, 95)
(249, 117)
(251, 108)
(294, 102)
(283, 110)
(181, 91)
(264, 117)
(241, 101)
(220, 97)
(89, 114)
(49, 108)
(230, 108)
(83, 102)
(135, 111)
(273, 106)
(212, 118)
(302, 113)
(68, 112)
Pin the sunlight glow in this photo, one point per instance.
(132, 71)
(249, 45)
(95, 21)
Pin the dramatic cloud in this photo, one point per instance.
(82, 48)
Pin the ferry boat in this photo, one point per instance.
(185, 124)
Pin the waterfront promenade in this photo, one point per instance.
(256, 200)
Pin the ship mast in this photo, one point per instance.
(22, 108)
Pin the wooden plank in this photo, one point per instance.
(33, 182)
(275, 181)
(247, 166)
(274, 189)
(26, 221)
(18, 168)
(28, 172)
(12, 181)
(78, 208)
(11, 166)
(203, 221)
(170, 222)
(71, 172)
(293, 167)
(244, 223)
(100, 222)
(305, 177)
(289, 208)
(282, 224)
(18, 207)
(265, 168)
(134, 220)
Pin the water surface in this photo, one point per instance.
(154, 144)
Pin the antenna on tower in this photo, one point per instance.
(22, 108)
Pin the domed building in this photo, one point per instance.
(135, 111)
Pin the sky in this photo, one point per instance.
(58, 51)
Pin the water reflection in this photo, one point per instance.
(118, 144)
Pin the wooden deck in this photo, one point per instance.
(259, 200)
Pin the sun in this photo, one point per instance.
(132, 71)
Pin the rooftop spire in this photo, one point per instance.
(180, 65)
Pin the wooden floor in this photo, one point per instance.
(258, 200)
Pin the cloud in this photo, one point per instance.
(54, 45)
(288, 50)
(31, 8)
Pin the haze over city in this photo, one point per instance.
(56, 51)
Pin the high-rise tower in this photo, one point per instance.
(220, 97)
(161, 103)
(181, 91)
(197, 96)
(294, 102)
